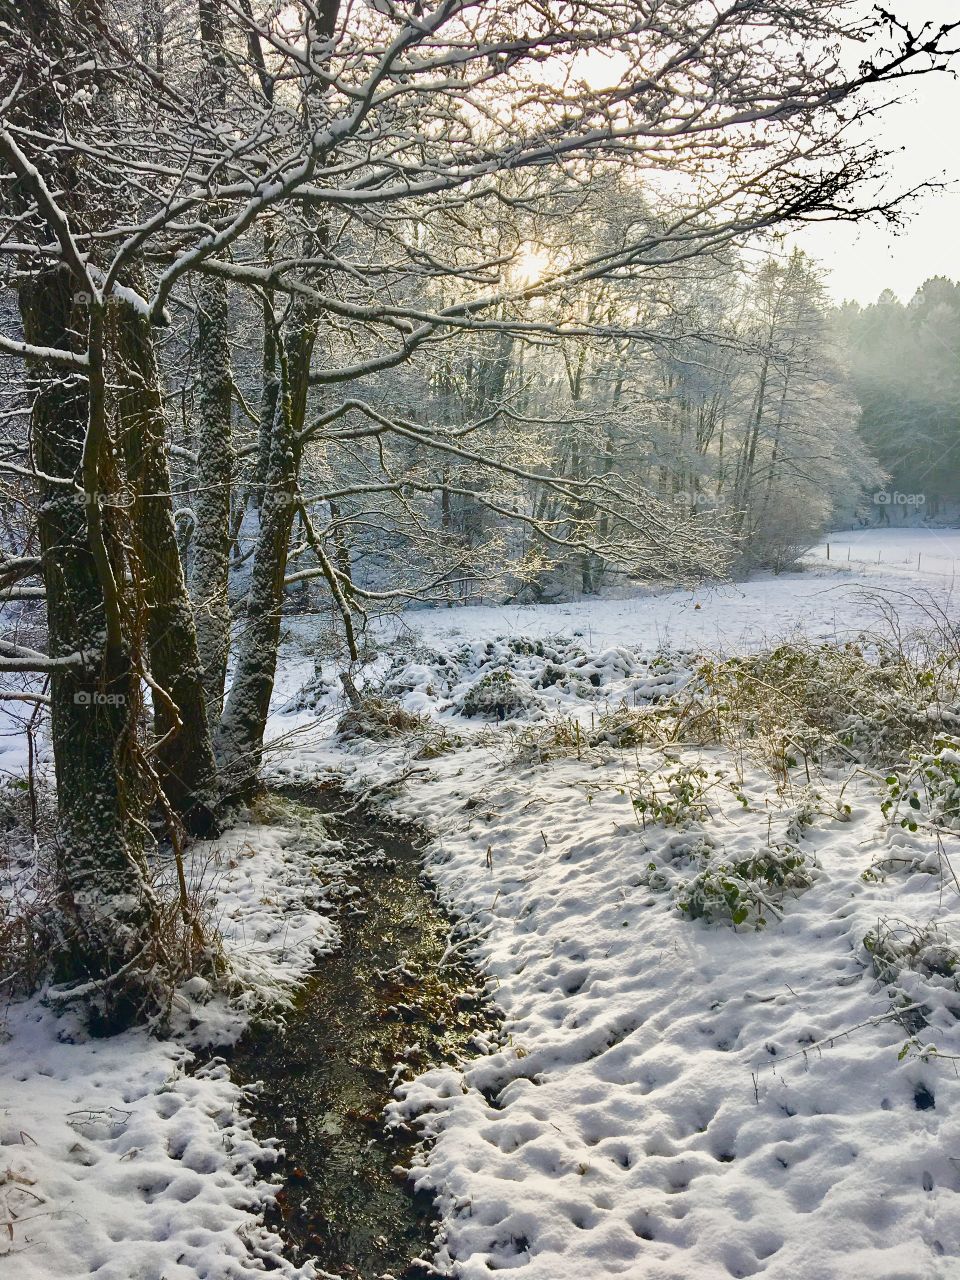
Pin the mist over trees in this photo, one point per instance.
(366, 305)
(904, 363)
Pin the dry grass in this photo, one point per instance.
(377, 719)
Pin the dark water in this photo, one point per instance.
(327, 1074)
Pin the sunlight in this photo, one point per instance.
(601, 68)
(530, 263)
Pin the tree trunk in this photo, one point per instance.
(211, 539)
(269, 392)
(107, 908)
(240, 740)
(108, 917)
(184, 759)
(211, 563)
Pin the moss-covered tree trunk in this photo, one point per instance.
(240, 741)
(107, 907)
(184, 755)
(117, 937)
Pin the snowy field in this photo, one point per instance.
(923, 555)
(673, 1098)
(830, 600)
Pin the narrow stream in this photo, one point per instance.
(381, 1000)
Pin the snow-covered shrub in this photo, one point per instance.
(523, 645)
(623, 727)
(677, 796)
(476, 675)
(439, 742)
(830, 701)
(925, 949)
(309, 696)
(920, 968)
(746, 890)
(428, 671)
(557, 739)
(808, 805)
(930, 786)
(563, 678)
(499, 695)
(786, 529)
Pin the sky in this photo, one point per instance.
(923, 128)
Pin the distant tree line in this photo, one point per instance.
(904, 370)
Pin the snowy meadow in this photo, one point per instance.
(725, 956)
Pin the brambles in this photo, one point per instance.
(930, 787)
(675, 798)
(926, 950)
(846, 703)
(746, 890)
(920, 968)
(558, 739)
(437, 743)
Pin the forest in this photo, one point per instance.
(466, 585)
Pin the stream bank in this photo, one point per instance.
(380, 1006)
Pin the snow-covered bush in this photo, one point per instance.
(746, 890)
(515, 676)
(840, 702)
(499, 695)
(439, 742)
(674, 798)
(376, 718)
(927, 950)
(428, 671)
(557, 739)
(930, 786)
(311, 695)
(920, 968)
(676, 795)
(624, 727)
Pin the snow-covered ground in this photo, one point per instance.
(831, 599)
(675, 1099)
(117, 1160)
(673, 1103)
(678, 1099)
(921, 555)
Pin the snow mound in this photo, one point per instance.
(511, 677)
